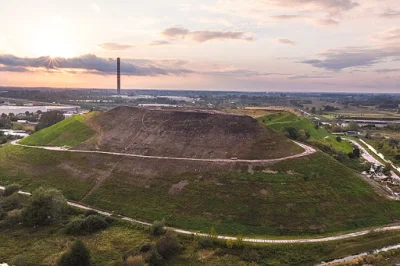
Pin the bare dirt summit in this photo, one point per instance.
(187, 134)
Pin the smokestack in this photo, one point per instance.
(118, 75)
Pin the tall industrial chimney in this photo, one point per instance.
(118, 75)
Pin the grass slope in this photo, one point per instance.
(282, 199)
(282, 120)
(45, 245)
(69, 132)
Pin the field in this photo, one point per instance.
(68, 132)
(282, 120)
(282, 199)
(45, 245)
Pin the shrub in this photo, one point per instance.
(78, 255)
(145, 248)
(94, 223)
(251, 256)
(90, 212)
(46, 206)
(13, 217)
(11, 203)
(339, 139)
(158, 228)
(168, 246)
(74, 227)
(229, 243)
(11, 189)
(153, 258)
(90, 224)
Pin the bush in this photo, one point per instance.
(153, 258)
(78, 255)
(11, 203)
(11, 189)
(46, 206)
(74, 227)
(90, 224)
(251, 256)
(145, 248)
(168, 246)
(94, 223)
(339, 139)
(90, 212)
(158, 228)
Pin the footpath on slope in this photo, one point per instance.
(250, 240)
(307, 151)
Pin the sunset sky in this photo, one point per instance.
(248, 45)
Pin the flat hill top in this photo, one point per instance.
(189, 134)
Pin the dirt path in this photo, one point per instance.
(251, 240)
(308, 150)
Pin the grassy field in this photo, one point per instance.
(282, 199)
(45, 245)
(280, 121)
(68, 132)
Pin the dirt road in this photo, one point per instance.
(307, 151)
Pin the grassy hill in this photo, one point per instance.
(280, 121)
(68, 132)
(309, 195)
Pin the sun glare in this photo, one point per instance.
(54, 40)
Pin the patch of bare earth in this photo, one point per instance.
(176, 188)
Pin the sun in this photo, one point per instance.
(53, 39)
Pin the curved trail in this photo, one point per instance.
(307, 151)
(251, 240)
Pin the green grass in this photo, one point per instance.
(45, 245)
(282, 120)
(68, 132)
(323, 197)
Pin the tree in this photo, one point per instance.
(339, 139)
(46, 206)
(353, 126)
(158, 228)
(313, 110)
(387, 170)
(291, 133)
(48, 119)
(168, 246)
(78, 255)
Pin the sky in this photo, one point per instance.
(246, 45)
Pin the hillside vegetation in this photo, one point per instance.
(309, 195)
(68, 132)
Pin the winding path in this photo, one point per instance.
(251, 240)
(307, 151)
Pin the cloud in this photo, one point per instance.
(310, 77)
(327, 22)
(13, 69)
(286, 41)
(204, 36)
(388, 70)
(241, 73)
(158, 43)
(88, 64)
(388, 35)
(390, 13)
(339, 59)
(317, 12)
(112, 46)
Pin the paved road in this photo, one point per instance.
(307, 151)
(251, 240)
